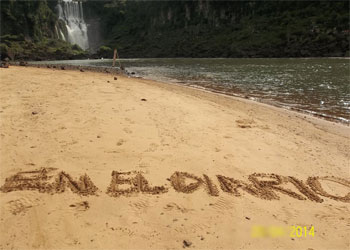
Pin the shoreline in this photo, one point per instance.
(312, 118)
(88, 161)
(261, 101)
(116, 70)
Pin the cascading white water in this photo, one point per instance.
(71, 13)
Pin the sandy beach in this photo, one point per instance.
(90, 162)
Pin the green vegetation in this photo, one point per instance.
(197, 28)
(104, 51)
(226, 28)
(42, 50)
(28, 32)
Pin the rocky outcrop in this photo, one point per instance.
(228, 28)
(199, 28)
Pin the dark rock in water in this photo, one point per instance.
(22, 63)
(62, 67)
(133, 73)
(122, 67)
(81, 70)
(115, 78)
(54, 66)
(143, 99)
(48, 66)
(187, 243)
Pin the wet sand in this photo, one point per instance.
(92, 162)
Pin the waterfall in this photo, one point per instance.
(70, 12)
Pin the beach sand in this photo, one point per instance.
(196, 162)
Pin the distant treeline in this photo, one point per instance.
(197, 28)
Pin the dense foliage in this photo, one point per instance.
(197, 28)
(28, 32)
(227, 28)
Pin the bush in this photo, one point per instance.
(3, 48)
(104, 51)
(76, 47)
(10, 37)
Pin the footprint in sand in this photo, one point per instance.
(144, 165)
(127, 130)
(152, 147)
(333, 214)
(245, 123)
(120, 142)
(81, 206)
(129, 120)
(173, 206)
(21, 205)
(223, 204)
(228, 156)
(139, 204)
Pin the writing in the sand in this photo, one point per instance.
(261, 185)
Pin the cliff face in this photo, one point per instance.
(28, 31)
(30, 20)
(93, 14)
(228, 29)
(197, 28)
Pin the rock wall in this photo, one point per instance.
(227, 28)
(198, 28)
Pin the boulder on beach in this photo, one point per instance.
(5, 65)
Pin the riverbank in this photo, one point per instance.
(319, 90)
(88, 122)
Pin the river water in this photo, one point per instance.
(320, 86)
